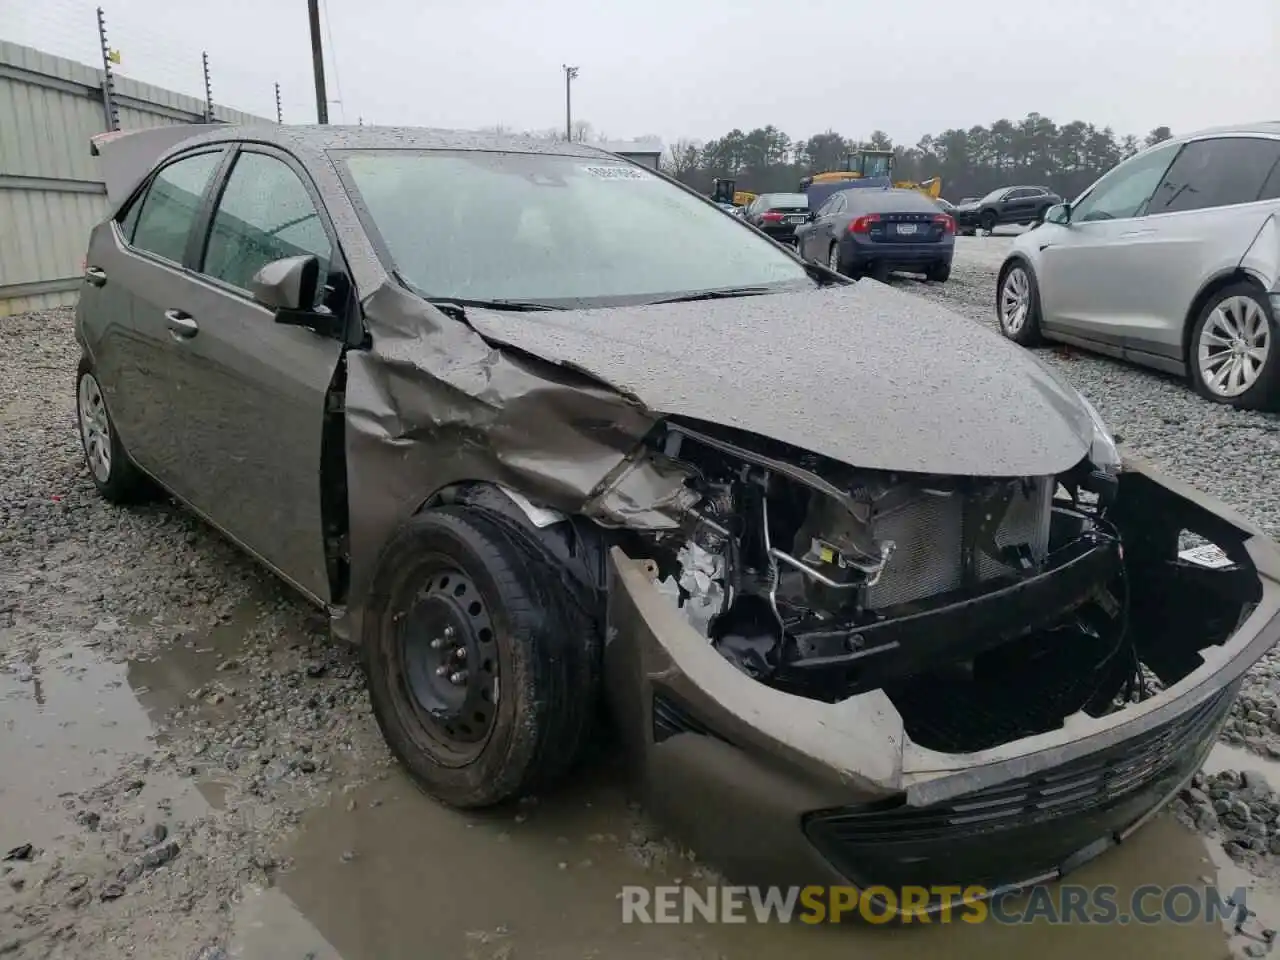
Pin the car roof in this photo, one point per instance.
(318, 139)
(1267, 128)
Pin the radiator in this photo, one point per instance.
(929, 533)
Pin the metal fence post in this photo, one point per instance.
(208, 90)
(108, 81)
(279, 112)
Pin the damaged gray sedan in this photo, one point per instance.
(553, 439)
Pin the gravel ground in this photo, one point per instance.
(247, 699)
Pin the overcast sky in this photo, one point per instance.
(696, 68)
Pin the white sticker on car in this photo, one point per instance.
(618, 173)
(1206, 555)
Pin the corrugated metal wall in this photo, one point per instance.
(50, 193)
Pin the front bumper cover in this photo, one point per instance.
(837, 793)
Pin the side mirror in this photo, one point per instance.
(289, 284)
(811, 216)
(1059, 213)
(291, 287)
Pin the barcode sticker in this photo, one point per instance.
(618, 172)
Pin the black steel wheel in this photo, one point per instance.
(451, 661)
(483, 671)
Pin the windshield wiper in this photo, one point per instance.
(458, 304)
(718, 294)
(514, 306)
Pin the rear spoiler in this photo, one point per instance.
(126, 156)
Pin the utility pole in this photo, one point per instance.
(570, 74)
(208, 90)
(279, 112)
(317, 62)
(108, 79)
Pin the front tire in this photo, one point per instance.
(1233, 355)
(115, 476)
(1018, 304)
(483, 672)
(989, 222)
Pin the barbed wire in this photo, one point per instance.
(160, 57)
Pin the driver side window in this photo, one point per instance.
(1124, 192)
(264, 214)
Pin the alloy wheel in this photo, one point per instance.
(1233, 347)
(95, 428)
(1015, 300)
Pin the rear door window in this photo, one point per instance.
(168, 211)
(265, 213)
(1216, 173)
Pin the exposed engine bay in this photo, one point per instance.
(986, 608)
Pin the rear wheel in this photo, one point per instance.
(1018, 304)
(1233, 349)
(939, 272)
(483, 673)
(110, 468)
(833, 258)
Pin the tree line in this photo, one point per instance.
(973, 162)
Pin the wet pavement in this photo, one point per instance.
(374, 870)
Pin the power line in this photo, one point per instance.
(333, 58)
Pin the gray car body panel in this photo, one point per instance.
(835, 371)
(1126, 286)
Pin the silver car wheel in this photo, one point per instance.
(95, 428)
(1015, 300)
(1234, 343)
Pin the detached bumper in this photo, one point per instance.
(779, 789)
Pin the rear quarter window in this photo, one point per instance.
(169, 208)
(1216, 173)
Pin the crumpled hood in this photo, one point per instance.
(864, 374)
(969, 206)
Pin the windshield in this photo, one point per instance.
(557, 230)
(787, 201)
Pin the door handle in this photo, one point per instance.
(95, 276)
(1136, 233)
(182, 325)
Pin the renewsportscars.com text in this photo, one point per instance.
(1055, 904)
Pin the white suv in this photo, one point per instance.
(1171, 260)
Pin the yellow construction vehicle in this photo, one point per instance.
(725, 191)
(874, 168)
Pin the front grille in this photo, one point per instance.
(1078, 787)
(928, 536)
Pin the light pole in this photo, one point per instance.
(570, 74)
(317, 62)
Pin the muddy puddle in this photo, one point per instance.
(370, 869)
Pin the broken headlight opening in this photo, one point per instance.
(986, 609)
